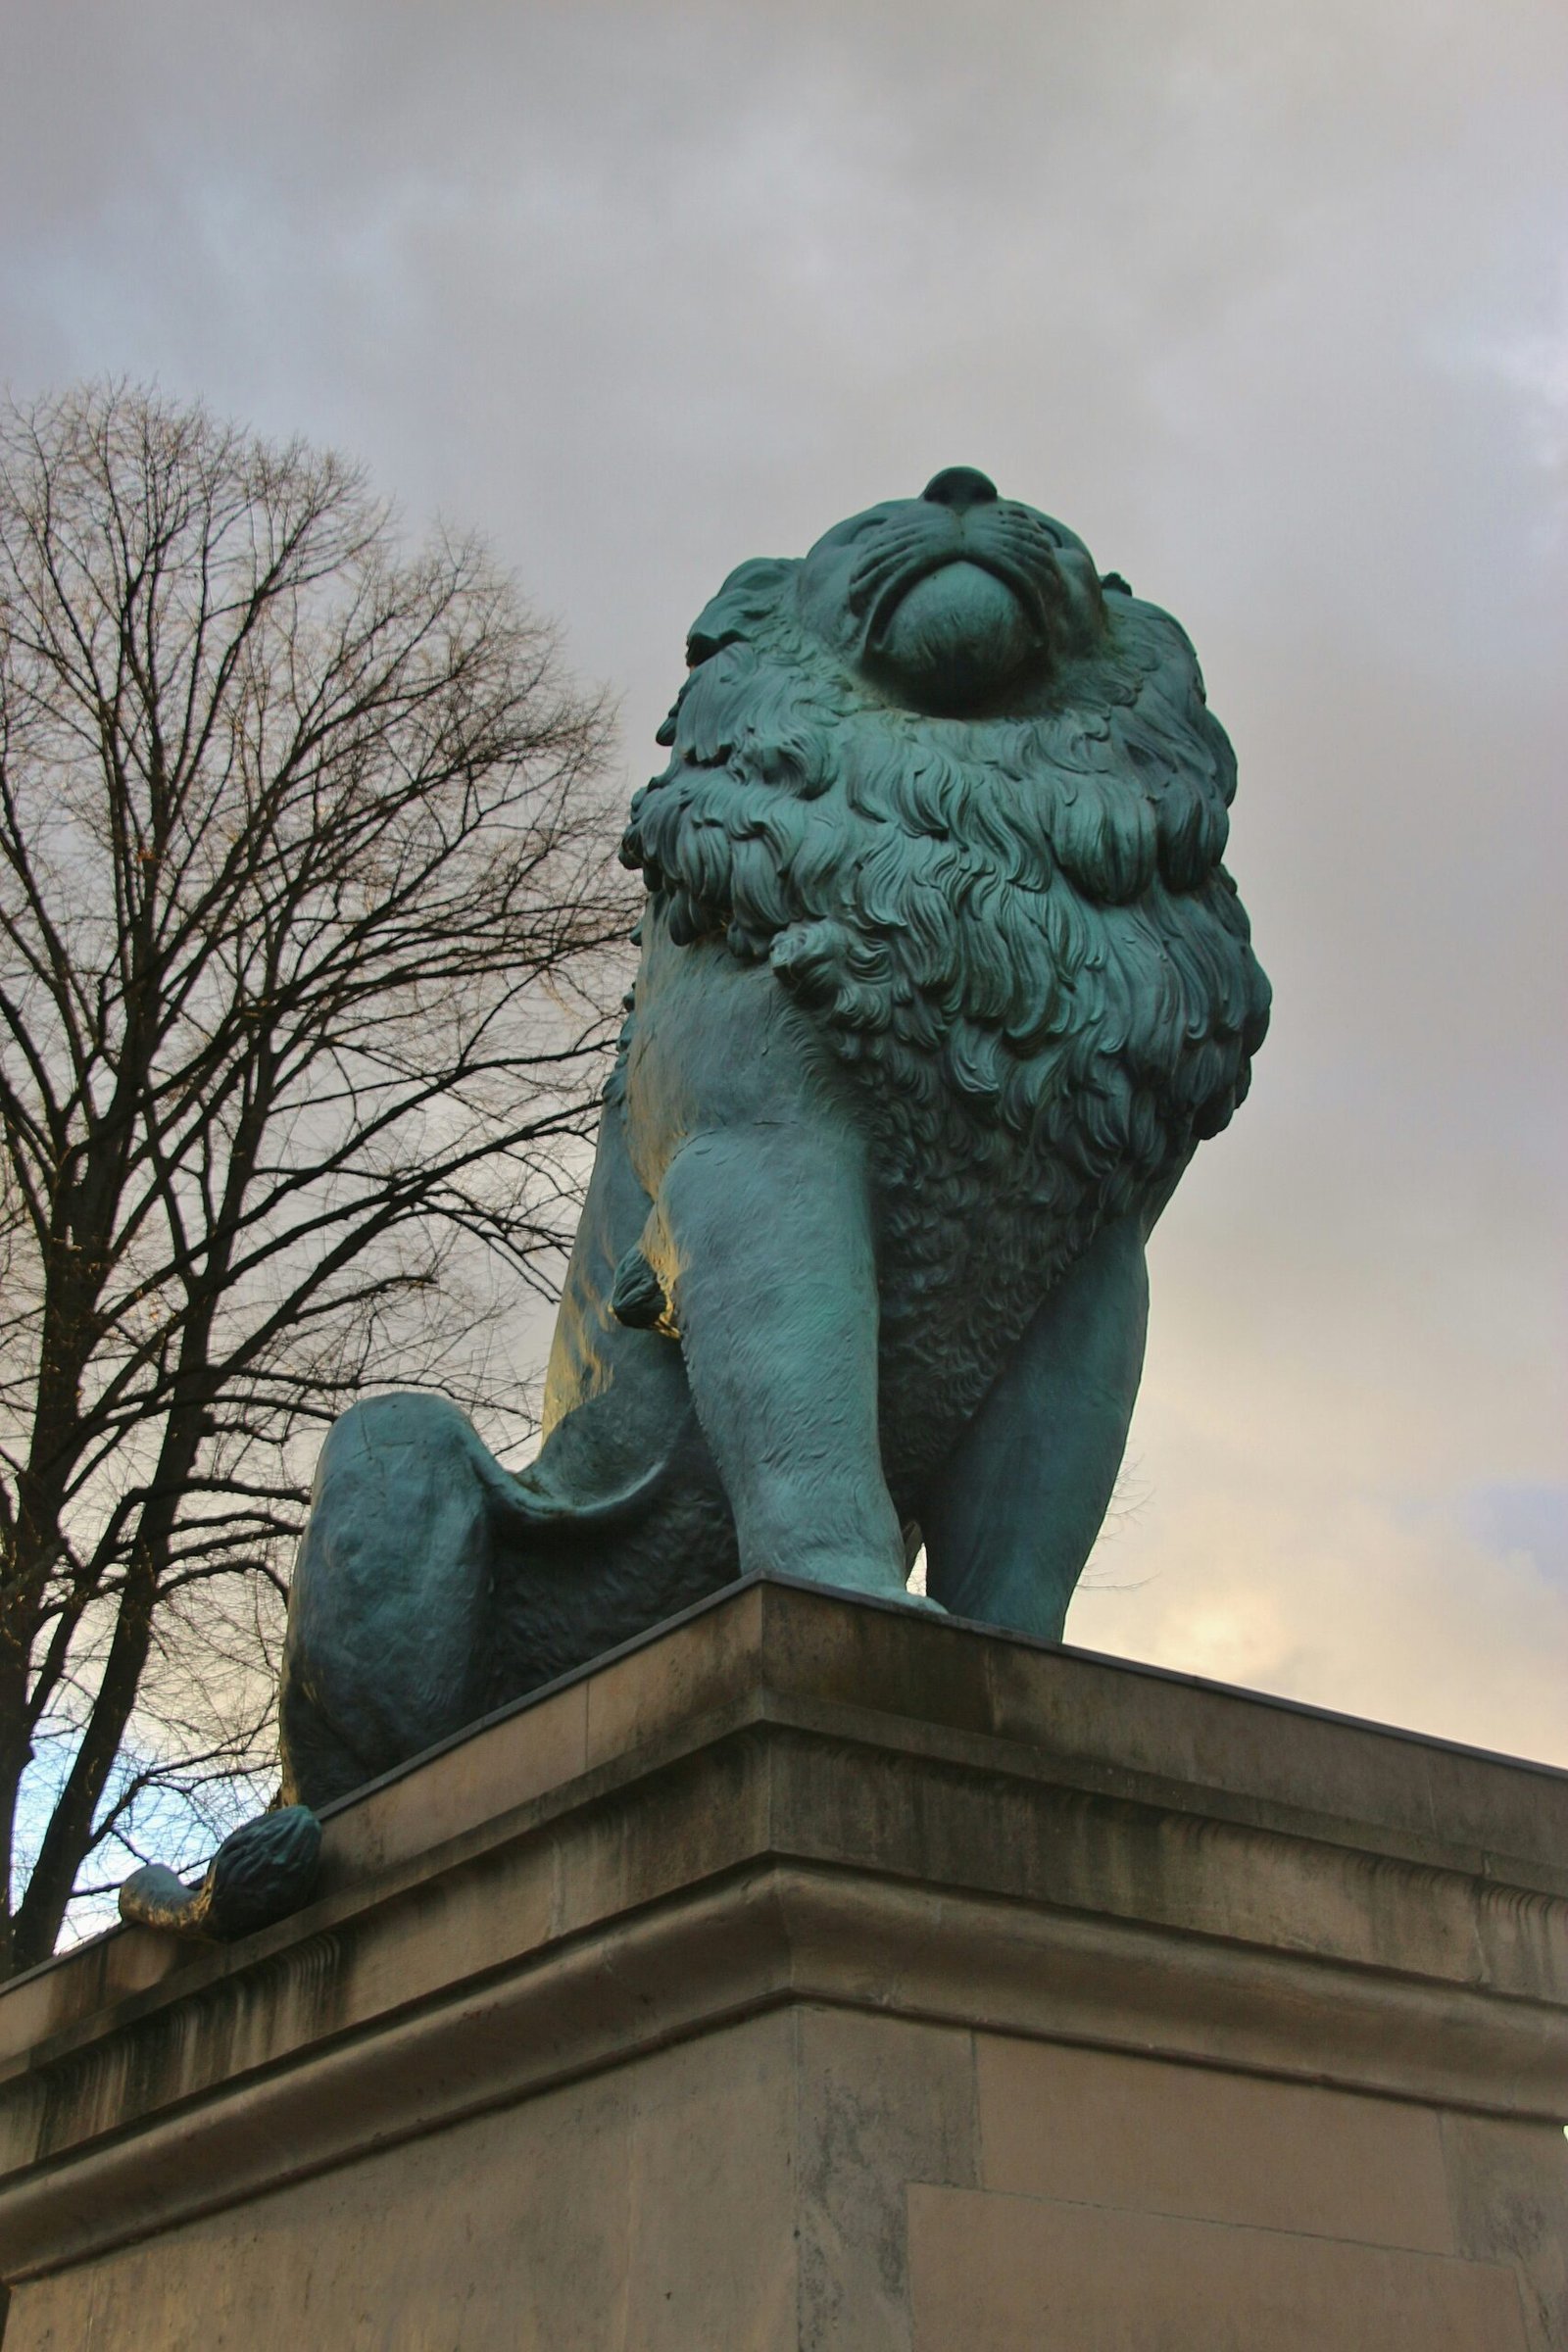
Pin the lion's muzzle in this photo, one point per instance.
(954, 639)
(955, 597)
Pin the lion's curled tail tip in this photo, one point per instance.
(260, 1874)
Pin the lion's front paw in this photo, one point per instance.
(867, 1583)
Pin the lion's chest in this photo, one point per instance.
(969, 1245)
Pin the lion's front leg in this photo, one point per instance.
(764, 1233)
(1020, 1499)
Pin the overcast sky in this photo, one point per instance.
(1270, 304)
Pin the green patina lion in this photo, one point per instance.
(942, 982)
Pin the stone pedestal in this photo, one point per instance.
(817, 1974)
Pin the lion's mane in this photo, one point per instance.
(1017, 931)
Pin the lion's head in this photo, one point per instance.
(964, 795)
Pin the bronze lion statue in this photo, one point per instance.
(942, 982)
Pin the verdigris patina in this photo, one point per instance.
(942, 982)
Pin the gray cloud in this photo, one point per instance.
(1270, 304)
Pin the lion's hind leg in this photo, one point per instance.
(391, 1592)
(1021, 1497)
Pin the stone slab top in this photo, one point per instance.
(774, 1650)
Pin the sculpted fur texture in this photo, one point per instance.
(1014, 929)
(942, 982)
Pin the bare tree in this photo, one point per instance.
(307, 935)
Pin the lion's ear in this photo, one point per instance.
(747, 597)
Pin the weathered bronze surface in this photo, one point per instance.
(942, 982)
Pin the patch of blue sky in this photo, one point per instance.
(1530, 1516)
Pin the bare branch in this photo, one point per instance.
(309, 939)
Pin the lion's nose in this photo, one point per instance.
(961, 486)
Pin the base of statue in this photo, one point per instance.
(822, 1974)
